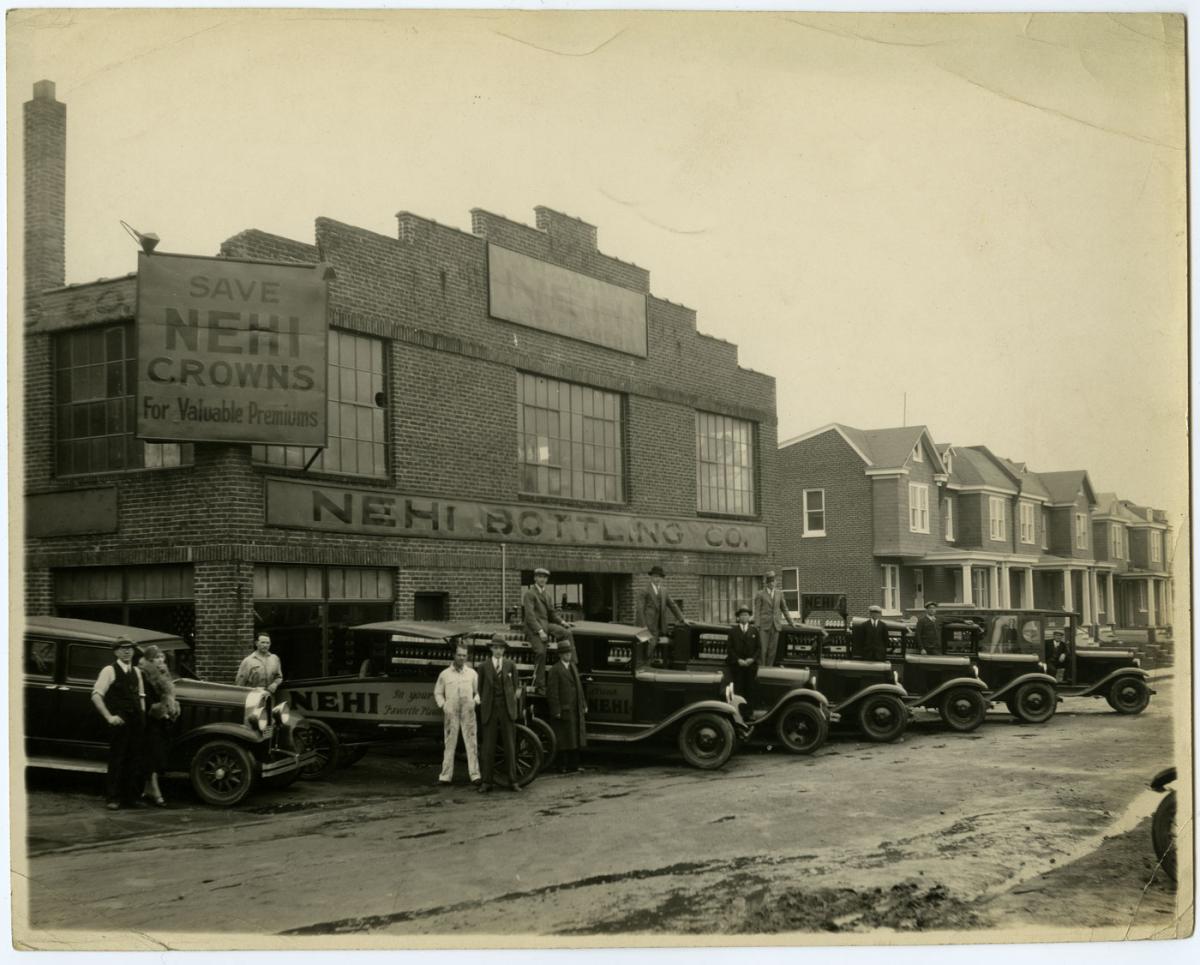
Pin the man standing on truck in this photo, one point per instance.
(769, 616)
(542, 621)
(119, 695)
(457, 694)
(927, 634)
(652, 609)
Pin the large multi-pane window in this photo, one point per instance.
(357, 430)
(94, 376)
(724, 465)
(571, 440)
(154, 597)
(721, 595)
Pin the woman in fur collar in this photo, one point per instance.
(162, 710)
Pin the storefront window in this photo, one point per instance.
(357, 427)
(94, 375)
(153, 597)
(720, 596)
(570, 439)
(308, 611)
(724, 465)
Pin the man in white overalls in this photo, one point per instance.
(456, 693)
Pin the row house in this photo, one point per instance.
(888, 516)
(1133, 542)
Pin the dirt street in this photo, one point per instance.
(996, 829)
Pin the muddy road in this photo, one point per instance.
(939, 831)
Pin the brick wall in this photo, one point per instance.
(841, 561)
(45, 191)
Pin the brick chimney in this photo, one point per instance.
(45, 191)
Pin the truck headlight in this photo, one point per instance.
(258, 710)
(812, 682)
(974, 670)
(1137, 661)
(281, 712)
(896, 677)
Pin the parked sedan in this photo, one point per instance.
(227, 741)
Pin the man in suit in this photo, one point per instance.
(769, 616)
(928, 639)
(869, 639)
(119, 695)
(742, 658)
(652, 609)
(568, 705)
(542, 622)
(498, 687)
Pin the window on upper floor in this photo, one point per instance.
(1045, 529)
(1116, 549)
(918, 508)
(357, 424)
(814, 512)
(571, 440)
(724, 465)
(997, 517)
(948, 519)
(890, 595)
(1027, 534)
(1155, 547)
(1081, 531)
(917, 454)
(95, 422)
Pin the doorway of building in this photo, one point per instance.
(581, 596)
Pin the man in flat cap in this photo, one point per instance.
(542, 623)
(769, 616)
(498, 687)
(119, 695)
(927, 633)
(742, 657)
(653, 605)
(869, 638)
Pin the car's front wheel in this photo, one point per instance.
(549, 742)
(1033, 703)
(963, 709)
(882, 718)
(802, 728)
(1129, 695)
(316, 735)
(706, 741)
(222, 772)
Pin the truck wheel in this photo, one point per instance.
(706, 741)
(549, 742)
(1162, 833)
(529, 758)
(318, 736)
(963, 709)
(882, 718)
(802, 728)
(1128, 695)
(222, 772)
(1034, 703)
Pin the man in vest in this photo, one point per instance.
(542, 621)
(769, 616)
(120, 696)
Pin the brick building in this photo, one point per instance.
(498, 399)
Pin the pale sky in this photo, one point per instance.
(985, 212)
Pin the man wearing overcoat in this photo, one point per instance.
(769, 616)
(869, 639)
(542, 623)
(498, 685)
(742, 658)
(568, 707)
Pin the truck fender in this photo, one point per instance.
(800, 693)
(1101, 685)
(741, 729)
(972, 683)
(1012, 685)
(893, 690)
